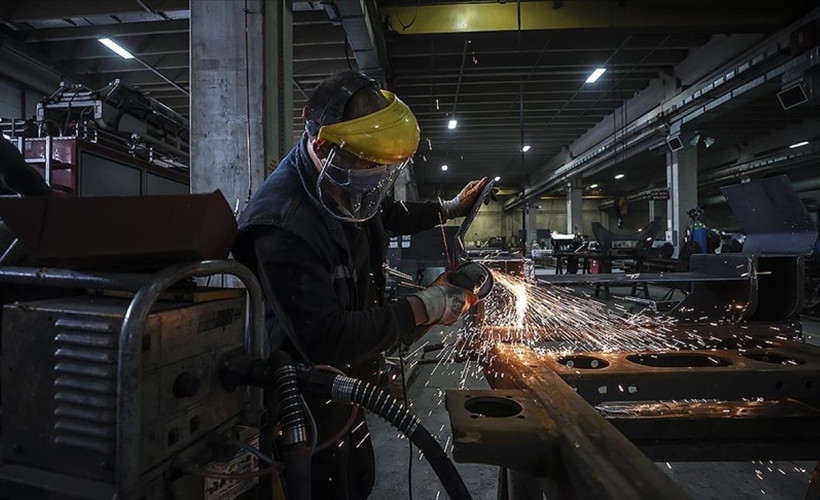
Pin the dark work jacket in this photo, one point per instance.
(300, 254)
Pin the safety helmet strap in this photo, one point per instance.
(333, 111)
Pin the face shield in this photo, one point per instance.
(352, 189)
(366, 157)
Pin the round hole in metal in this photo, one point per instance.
(491, 406)
(583, 362)
(678, 360)
(772, 357)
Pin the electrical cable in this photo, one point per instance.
(251, 449)
(248, 105)
(409, 443)
(314, 431)
(412, 21)
(344, 389)
(347, 54)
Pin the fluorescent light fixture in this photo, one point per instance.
(444, 168)
(111, 44)
(595, 75)
(619, 176)
(593, 186)
(452, 124)
(799, 144)
(526, 148)
(497, 178)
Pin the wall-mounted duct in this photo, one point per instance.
(360, 21)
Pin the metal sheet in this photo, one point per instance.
(773, 217)
(459, 248)
(112, 233)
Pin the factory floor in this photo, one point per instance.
(784, 480)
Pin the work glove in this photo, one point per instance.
(464, 201)
(444, 302)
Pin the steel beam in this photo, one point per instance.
(648, 127)
(581, 450)
(543, 15)
(157, 45)
(279, 73)
(108, 30)
(366, 41)
(118, 65)
(60, 9)
(758, 403)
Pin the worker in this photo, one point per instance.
(316, 236)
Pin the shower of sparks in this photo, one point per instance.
(557, 319)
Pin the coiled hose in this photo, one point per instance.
(296, 451)
(349, 390)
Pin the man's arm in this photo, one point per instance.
(408, 217)
(304, 286)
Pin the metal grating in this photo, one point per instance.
(85, 383)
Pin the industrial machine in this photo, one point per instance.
(733, 382)
(121, 377)
(105, 142)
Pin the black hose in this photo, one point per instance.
(295, 450)
(349, 390)
(291, 413)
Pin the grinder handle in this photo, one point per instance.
(461, 280)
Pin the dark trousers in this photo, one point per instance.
(346, 470)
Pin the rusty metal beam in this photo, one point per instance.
(542, 15)
(781, 369)
(598, 461)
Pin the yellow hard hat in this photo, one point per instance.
(388, 136)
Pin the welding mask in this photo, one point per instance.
(367, 155)
(353, 191)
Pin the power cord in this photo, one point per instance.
(407, 407)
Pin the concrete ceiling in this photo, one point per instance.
(64, 34)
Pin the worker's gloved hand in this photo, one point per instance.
(444, 302)
(464, 201)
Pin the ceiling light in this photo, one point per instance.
(526, 148)
(619, 176)
(799, 144)
(444, 168)
(497, 178)
(452, 124)
(111, 44)
(595, 75)
(708, 142)
(593, 186)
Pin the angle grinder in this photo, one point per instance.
(474, 277)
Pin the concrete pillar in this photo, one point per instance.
(651, 210)
(227, 99)
(531, 223)
(241, 94)
(402, 189)
(278, 67)
(682, 182)
(575, 211)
